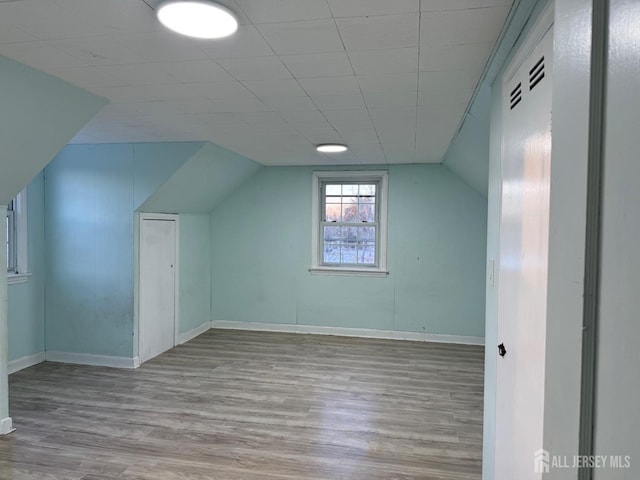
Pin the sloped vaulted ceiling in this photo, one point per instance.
(392, 79)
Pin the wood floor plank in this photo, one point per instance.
(237, 405)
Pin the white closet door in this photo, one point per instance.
(523, 261)
(157, 286)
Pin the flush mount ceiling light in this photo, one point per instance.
(331, 148)
(197, 18)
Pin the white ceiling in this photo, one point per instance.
(391, 78)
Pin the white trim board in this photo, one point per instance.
(348, 332)
(91, 359)
(193, 333)
(6, 426)
(25, 362)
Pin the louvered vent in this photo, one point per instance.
(516, 96)
(536, 74)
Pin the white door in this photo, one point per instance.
(157, 286)
(524, 239)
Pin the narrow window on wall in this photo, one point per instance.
(11, 237)
(349, 223)
(16, 229)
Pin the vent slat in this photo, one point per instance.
(536, 74)
(516, 96)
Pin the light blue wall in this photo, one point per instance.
(203, 182)
(195, 271)
(39, 114)
(261, 252)
(91, 192)
(26, 300)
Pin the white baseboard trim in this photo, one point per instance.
(25, 362)
(91, 359)
(6, 426)
(193, 333)
(348, 332)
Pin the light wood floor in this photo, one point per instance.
(234, 405)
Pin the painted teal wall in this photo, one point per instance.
(26, 300)
(195, 271)
(261, 252)
(91, 192)
(39, 114)
(203, 182)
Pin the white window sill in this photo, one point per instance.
(353, 272)
(16, 278)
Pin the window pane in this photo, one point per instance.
(350, 235)
(350, 189)
(333, 189)
(367, 190)
(367, 212)
(332, 212)
(350, 210)
(331, 254)
(367, 255)
(366, 235)
(332, 235)
(349, 254)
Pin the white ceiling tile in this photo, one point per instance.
(391, 99)
(255, 68)
(39, 55)
(103, 50)
(395, 60)
(448, 80)
(275, 88)
(359, 138)
(479, 25)
(318, 65)
(370, 33)
(288, 104)
(363, 8)
(126, 17)
(356, 119)
(273, 11)
(394, 118)
(471, 56)
(339, 102)
(197, 71)
(331, 86)
(314, 36)
(49, 21)
(162, 47)
(11, 34)
(451, 110)
(141, 74)
(246, 42)
(303, 116)
(439, 5)
(444, 97)
(321, 132)
(89, 76)
(232, 105)
(384, 83)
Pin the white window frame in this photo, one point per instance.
(379, 176)
(21, 249)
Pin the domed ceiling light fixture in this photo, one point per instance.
(331, 148)
(197, 18)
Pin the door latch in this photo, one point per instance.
(501, 350)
